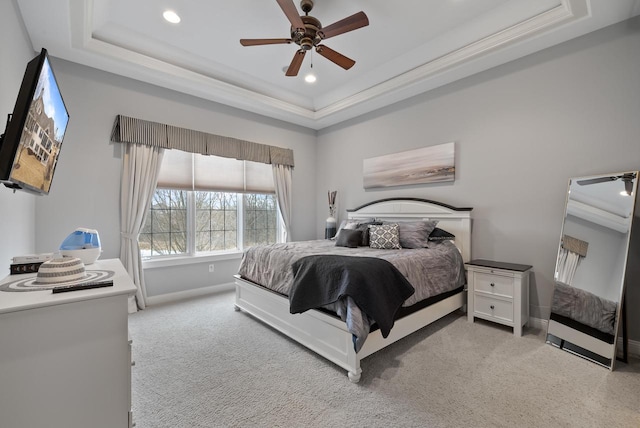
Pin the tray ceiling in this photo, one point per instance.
(408, 48)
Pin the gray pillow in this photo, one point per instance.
(415, 234)
(441, 235)
(364, 227)
(346, 224)
(349, 238)
(384, 236)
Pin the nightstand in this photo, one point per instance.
(498, 292)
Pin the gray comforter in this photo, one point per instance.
(431, 271)
(584, 307)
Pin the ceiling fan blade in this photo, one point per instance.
(629, 176)
(258, 42)
(289, 9)
(335, 57)
(294, 67)
(596, 180)
(350, 23)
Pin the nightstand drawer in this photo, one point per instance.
(486, 307)
(494, 284)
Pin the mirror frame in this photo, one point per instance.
(578, 342)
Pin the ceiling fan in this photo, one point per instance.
(307, 32)
(627, 178)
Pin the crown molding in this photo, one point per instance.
(571, 18)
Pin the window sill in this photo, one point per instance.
(189, 260)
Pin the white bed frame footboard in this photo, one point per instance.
(327, 335)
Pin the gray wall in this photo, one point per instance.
(86, 188)
(521, 130)
(601, 272)
(17, 210)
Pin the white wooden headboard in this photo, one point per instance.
(451, 219)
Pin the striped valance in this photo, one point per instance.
(131, 130)
(575, 245)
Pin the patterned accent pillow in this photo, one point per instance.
(384, 237)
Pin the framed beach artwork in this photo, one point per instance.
(434, 164)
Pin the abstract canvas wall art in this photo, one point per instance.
(432, 164)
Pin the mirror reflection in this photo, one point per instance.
(590, 268)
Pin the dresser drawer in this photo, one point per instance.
(487, 307)
(494, 284)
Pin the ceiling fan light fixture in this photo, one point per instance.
(307, 32)
(310, 78)
(306, 43)
(171, 16)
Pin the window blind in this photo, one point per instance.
(192, 171)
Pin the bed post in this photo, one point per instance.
(354, 361)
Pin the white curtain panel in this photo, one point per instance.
(567, 265)
(141, 166)
(282, 182)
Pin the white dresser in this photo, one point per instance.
(498, 292)
(65, 358)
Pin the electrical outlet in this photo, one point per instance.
(211, 268)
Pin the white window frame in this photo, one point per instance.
(191, 257)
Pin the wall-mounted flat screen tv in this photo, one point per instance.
(31, 144)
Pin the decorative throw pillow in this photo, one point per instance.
(384, 236)
(349, 238)
(364, 227)
(441, 235)
(346, 224)
(415, 234)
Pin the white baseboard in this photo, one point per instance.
(187, 294)
(542, 324)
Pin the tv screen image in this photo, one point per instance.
(35, 131)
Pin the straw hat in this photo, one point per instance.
(65, 270)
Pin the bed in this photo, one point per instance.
(325, 333)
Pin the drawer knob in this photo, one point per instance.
(492, 284)
(492, 307)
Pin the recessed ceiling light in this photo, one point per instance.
(310, 78)
(171, 16)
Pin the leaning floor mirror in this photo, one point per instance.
(587, 304)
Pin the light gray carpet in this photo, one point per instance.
(199, 363)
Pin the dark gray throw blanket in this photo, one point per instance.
(376, 286)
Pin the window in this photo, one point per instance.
(260, 219)
(216, 221)
(192, 213)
